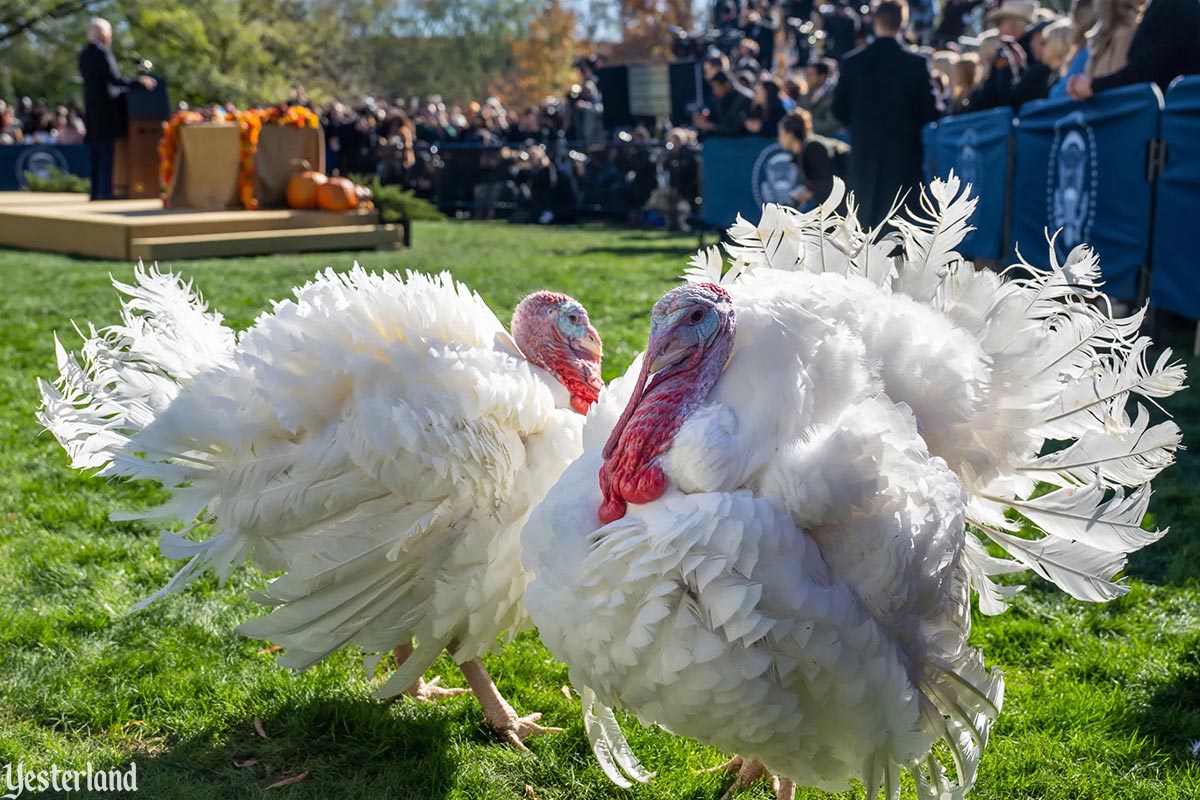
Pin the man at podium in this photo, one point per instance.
(103, 87)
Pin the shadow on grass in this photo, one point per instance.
(1171, 717)
(348, 748)
(1175, 559)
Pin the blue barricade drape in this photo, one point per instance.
(1176, 279)
(929, 136)
(976, 147)
(17, 159)
(740, 175)
(1081, 168)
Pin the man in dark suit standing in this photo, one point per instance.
(103, 115)
(885, 96)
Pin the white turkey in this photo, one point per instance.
(380, 439)
(772, 547)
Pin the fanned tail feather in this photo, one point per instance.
(1063, 369)
(126, 374)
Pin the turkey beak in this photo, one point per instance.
(667, 350)
(589, 343)
(673, 353)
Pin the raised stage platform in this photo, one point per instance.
(127, 230)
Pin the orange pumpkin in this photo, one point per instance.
(302, 187)
(337, 194)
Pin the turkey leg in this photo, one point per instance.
(421, 691)
(497, 711)
(750, 770)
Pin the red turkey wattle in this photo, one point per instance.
(631, 472)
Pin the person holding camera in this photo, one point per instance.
(104, 115)
(818, 158)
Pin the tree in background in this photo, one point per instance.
(645, 29)
(454, 49)
(20, 16)
(252, 51)
(544, 58)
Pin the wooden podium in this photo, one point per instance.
(135, 162)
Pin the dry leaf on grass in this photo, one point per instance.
(272, 649)
(566, 690)
(529, 795)
(259, 728)
(245, 762)
(288, 781)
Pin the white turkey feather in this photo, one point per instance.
(1129, 457)
(131, 371)
(379, 438)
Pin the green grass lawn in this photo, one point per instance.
(1102, 702)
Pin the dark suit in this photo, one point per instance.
(884, 96)
(729, 113)
(1165, 46)
(104, 112)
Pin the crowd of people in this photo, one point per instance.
(547, 162)
(845, 87)
(873, 76)
(27, 122)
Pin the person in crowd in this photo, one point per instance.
(44, 131)
(26, 112)
(954, 21)
(843, 26)
(678, 179)
(1165, 46)
(11, 131)
(1038, 76)
(792, 92)
(397, 141)
(964, 80)
(714, 63)
(1116, 22)
(104, 116)
(725, 15)
(70, 127)
(986, 45)
(1053, 48)
(921, 16)
(731, 105)
(1083, 19)
(941, 64)
(747, 56)
(767, 109)
(821, 79)
(819, 159)
(587, 113)
(1007, 67)
(760, 25)
(884, 95)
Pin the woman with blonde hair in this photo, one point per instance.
(1116, 22)
(1056, 46)
(1083, 19)
(964, 79)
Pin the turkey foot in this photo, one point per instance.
(497, 711)
(421, 691)
(749, 771)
